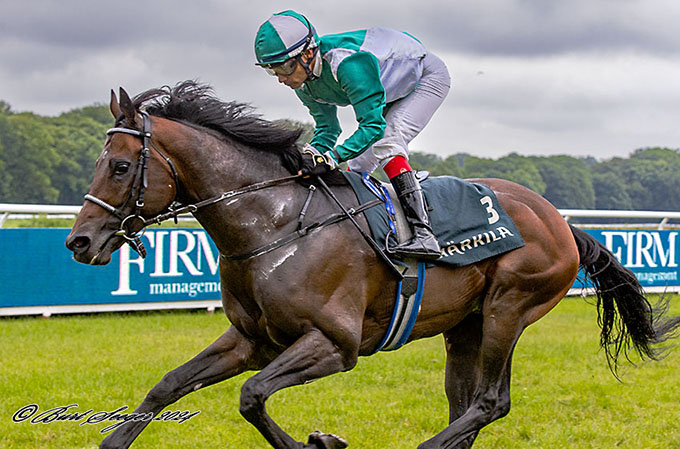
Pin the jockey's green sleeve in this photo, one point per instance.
(327, 127)
(359, 76)
(357, 84)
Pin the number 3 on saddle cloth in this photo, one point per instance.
(467, 220)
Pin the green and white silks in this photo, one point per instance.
(371, 70)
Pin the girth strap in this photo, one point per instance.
(406, 308)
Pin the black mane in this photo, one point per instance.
(196, 103)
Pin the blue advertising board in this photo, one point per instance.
(182, 265)
(36, 269)
(651, 255)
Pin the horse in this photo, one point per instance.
(312, 304)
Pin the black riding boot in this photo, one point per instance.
(424, 244)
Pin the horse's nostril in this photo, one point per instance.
(79, 244)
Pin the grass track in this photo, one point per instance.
(563, 394)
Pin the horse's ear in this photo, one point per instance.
(113, 105)
(127, 108)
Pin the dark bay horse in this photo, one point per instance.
(310, 307)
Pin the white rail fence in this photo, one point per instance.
(28, 210)
(10, 211)
(20, 211)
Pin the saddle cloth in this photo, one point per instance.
(467, 219)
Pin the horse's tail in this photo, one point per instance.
(626, 317)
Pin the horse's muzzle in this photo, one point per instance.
(84, 251)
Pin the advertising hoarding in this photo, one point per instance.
(37, 271)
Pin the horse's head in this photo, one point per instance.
(131, 183)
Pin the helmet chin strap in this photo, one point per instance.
(311, 76)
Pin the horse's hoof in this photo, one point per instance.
(326, 441)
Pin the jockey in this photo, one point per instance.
(391, 81)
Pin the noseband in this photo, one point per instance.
(138, 189)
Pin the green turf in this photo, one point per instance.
(563, 394)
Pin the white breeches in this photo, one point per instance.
(406, 117)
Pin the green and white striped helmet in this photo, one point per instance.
(284, 36)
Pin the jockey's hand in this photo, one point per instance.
(316, 163)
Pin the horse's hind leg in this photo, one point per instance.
(229, 355)
(463, 359)
(462, 367)
(487, 398)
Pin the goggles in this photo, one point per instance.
(284, 68)
(287, 67)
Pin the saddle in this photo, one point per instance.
(467, 218)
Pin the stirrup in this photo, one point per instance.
(419, 248)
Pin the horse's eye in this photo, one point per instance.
(121, 168)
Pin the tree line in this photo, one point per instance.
(646, 180)
(50, 160)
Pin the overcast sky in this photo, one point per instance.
(581, 77)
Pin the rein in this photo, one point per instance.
(191, 208)
(140, 184)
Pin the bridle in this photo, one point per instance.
(140, 184)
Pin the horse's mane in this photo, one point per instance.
(196, 103)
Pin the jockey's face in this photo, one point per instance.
(296, 79)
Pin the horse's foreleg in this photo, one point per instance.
(490, 400)
(230, 355)
(311, 357)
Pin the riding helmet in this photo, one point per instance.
(283, 36)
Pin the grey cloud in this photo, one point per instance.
(525, 27)
(523, 70)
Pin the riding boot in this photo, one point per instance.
(423, 244)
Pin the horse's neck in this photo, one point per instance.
(210, 167)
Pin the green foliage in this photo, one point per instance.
(5, 108)
(30, 154)
(647, 180)
(50, 160)
(451, 166)
(423, 161)
(80, 134)
(40, 221)
(100, 113)
(5, 175)
(611, 192)
(655, 171)
(513, 167)
(44, 221)
(307, 129)
(568, 182)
